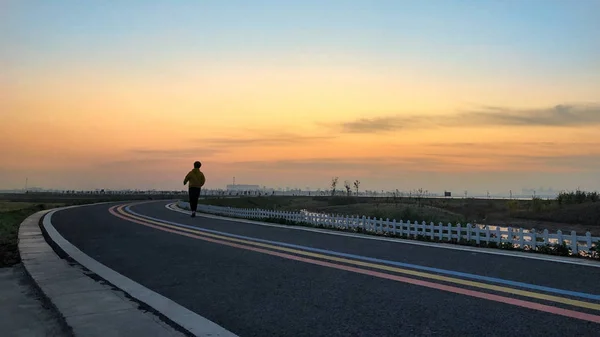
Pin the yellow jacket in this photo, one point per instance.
(195, 177)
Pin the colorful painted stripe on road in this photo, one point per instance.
(301, 250)
(587, 296)
(266, 249)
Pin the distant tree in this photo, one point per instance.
(348, 188)
(334, 182)
(356, 186)
(420, 193)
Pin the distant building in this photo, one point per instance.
(242, 187)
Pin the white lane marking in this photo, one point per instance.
(533, 256)
(184, 317)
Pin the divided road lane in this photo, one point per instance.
(253, 293)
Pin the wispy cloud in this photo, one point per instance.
(364, 165)
(432, 162)
(129, 163)
(558, 116)
(147, 158)
(172, 153)
(209, 147)
(267, 139)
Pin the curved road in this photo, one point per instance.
(268, 280)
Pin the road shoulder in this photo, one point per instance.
(89, 307)
(23, 310)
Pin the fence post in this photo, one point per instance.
(458, 232)
(546, 238)
(533, 239)
(510, 236)
(432, 228)
(449, 231)
(469, 232)
(387, 225)
(574, 245)
(441, 227)
(477, 234)
(499, 235)
(560, 237)
(588, 241)
(394, 228)
(521, 239)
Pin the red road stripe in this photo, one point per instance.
(457, 290)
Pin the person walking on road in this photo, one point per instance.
(196, 179)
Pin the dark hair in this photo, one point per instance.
(197, 164)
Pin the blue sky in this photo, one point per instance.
(563, 34)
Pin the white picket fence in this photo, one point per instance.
(518, 237)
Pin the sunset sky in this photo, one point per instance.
(444, 95)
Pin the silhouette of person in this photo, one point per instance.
(196, 179)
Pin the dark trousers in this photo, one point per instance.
(194, 193)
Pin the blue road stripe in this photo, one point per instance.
(389, 262)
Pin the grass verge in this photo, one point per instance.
(11, 216)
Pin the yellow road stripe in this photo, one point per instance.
(525, 293)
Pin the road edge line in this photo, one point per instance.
(179, 315)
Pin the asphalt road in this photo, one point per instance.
(293, 293)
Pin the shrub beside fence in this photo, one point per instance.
(558, 243)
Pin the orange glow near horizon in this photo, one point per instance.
(151, 126)
(137, 111)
